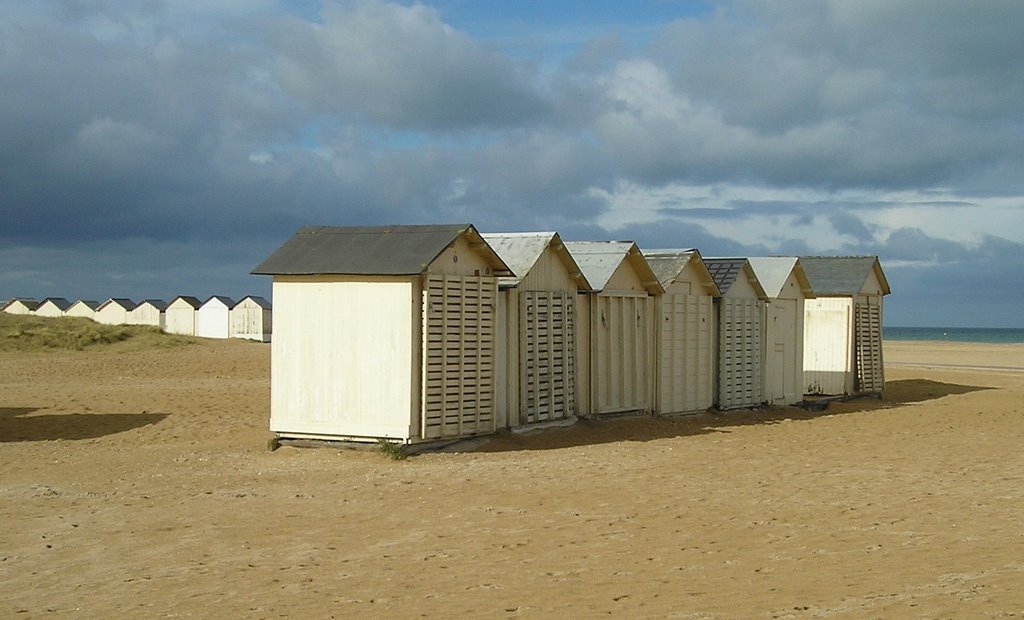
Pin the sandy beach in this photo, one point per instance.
(137, 483)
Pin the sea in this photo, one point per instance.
(955, 334)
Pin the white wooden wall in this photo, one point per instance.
(344, 358)
(180, 318)
(622, 353)
(547, 356)
(147, 314)
(828, 345)
(213, 320)
(686, 353)
(251, 321)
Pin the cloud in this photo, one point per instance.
(401, 66)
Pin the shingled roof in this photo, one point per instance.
(371, 250)
(726, 270)
(842, 275)
(667, 264)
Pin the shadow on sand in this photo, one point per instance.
(650, 428)
(24, 424)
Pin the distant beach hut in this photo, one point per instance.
(536, 341)
(149, 312)
(740, 318)
(83, 308)
(843, 325)
(784, 281)
(114, 311)
(384, 333)
(20, 305)
(252, 319)
(213, 318)
(685, 341)
(53, 307)
(180, 315)
(615, 330)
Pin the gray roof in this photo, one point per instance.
(31, 304)
(371, 250)
(726, 270)
(667, 265)
(521, 251)
(159, 304)
(190, 300)
(124, 302)
(773, 271)
(599, 259)
(842, 275)
(88, 303)
(227, 301)
(59, 302)
(259, 301)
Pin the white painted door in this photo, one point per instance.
(622, 354)
(547, 346)
(741, 347)
(458, 356)
(685, 379)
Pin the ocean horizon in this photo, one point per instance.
(998, 335)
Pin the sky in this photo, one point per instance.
(150, 149)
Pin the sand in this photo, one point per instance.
(138, 484)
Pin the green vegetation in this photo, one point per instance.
(391, 449)
(36, 333)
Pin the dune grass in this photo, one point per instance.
(36, 333)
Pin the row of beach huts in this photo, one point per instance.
(217, 317)
(419, 334)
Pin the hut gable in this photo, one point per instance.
(682, 271)
(184, 301)
(53, 307)
(614, 266)
(83, 308)
(149, 312)
(782, 277)
(114, 311)
(254, 300)
(383, 250)
(532, 265)
(845, 276)
(20, 305)
(735, 278)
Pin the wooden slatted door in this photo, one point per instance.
(622, 355)
(458, 356)
(740, 349)
(868, 332)
(685, 379)
(547, 355)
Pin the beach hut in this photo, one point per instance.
(615, 328)
(536, 338)
(685, 344)
(21, 305)
(252, 319)
(180, 315)
(843, 325)
(740, 317)
(53, 307)
(213, 318)
(83, 308)
(784, 281)
(149, 312)
(114, 311)
(384, 332)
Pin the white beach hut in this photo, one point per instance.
(180, 315)
(252, 319)
(686, 331)
(213, 318)
(615, 328)
(149, 312)
(53, 307)
(843, 325)
(83, 308)
(114, 311)
(740, 325)
(784, 281)
(536, 360)
(384, 332)
(20, 305)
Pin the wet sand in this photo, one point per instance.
(138, 484)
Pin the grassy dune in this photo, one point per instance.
(35, 333)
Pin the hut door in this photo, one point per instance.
(739, 353)
(547, 355)
(458, 356)
(622, 354)
(685, 380)
(868, 332)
